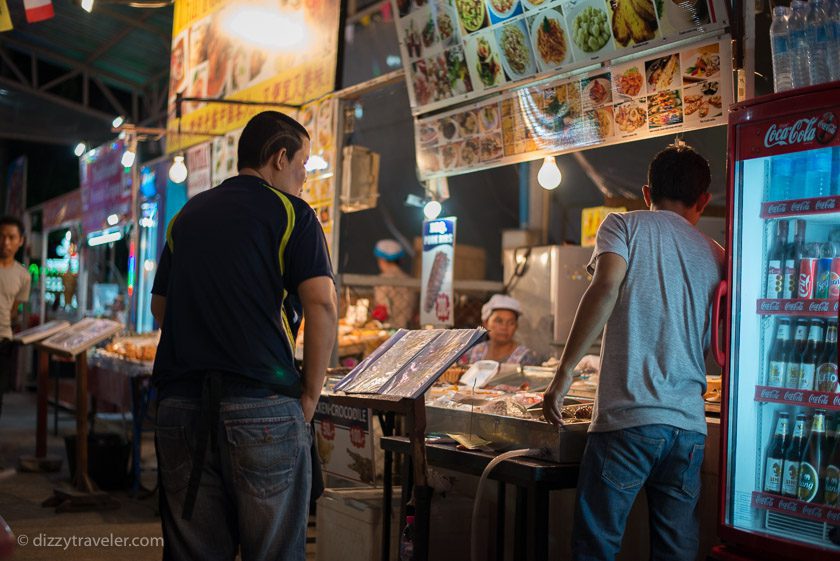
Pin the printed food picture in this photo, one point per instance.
(469, 152)
(550, 43)
(630, 116)
(501, 10)
(701, 64)
(597, 90)
(662, 73)
(467, 122)
(423, 93)
(665, 109)
(602, 119)
(629, 81)
(450, 153)
(491, 147)
(412, 39)
(633, 21)
(682, 15)
(534, 4)
(485, 60)
(448, 129)
(471, 13)
(590, 28)
(703, 101)
(429, 32)
(561, 107)
(428, 133)
(488, 117)
(446, 25)
(516, 52)
(458, 73)
(178, 64)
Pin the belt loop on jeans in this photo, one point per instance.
(211, 396)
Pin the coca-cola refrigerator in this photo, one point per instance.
(777, 341)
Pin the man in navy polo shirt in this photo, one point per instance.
(232, 431)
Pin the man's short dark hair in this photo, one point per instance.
(12, 221)
(680, 174)
(265, 134)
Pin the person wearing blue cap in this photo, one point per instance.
(393, 305)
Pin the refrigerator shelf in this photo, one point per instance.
(801, 207)
(798, 509)
(802, 398)
(807, 307)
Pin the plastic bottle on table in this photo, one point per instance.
(407, 540)
(780, 46)
(799, 44)
(817, 23)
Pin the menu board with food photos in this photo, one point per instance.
(227, 49)
(669, 92)
(456, 50)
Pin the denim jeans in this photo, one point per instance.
(254, 491)
(616, 465)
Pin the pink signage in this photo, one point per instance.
(105, 185)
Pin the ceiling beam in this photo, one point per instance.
(10, 63)
(114, 41)
(70, 104)
(62, 140)
(111, 98)
(141, 24)
(48, 55)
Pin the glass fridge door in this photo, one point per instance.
(783, 403)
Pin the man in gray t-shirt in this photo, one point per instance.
(14, 289)
(654, 279)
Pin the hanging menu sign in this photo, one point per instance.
(282, 52)
(455, 50)
(669, 92)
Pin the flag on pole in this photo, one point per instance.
(5, 19)
(38, 10)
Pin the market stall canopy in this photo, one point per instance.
(66, 78)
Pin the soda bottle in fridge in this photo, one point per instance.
(775, 262)
(779, 354)
(827, 370)
(793, 255)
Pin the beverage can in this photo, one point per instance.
(823, 282)
(834, 282)
(807, 277)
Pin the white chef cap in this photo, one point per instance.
(500, 302)
(389, 250)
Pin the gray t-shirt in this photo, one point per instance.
(14, 285)
(652, 356)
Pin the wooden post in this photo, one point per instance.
(43, 377)
(82, 482)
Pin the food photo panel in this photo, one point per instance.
(472, 15)
(485, 61)
(515, 49)
(700, 64)
(550, 40)
(502, 10)
(589, 25)
(662, 73)
(633, 21)
(597, 90)
(628, 80)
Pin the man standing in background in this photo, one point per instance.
(14, 290)
(654, 279)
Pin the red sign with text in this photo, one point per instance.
(806, 131)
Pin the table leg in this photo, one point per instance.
(501, 489)
(43, 387)
(82, 482)
(520, 542)
(539, 523)
(136, 432)
(387, 423)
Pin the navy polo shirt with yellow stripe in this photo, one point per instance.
(234, 258)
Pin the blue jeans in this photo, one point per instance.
(616, 465)
(254, 491)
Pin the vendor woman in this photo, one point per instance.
(500, 316)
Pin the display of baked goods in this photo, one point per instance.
(134, 348)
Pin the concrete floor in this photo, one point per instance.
(21, 495)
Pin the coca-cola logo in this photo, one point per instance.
(826, 204)
(794, 396)
(777, 208)
(818, 306)
(805, 283)
(800, 132)
(836, 401)
(826, 128)
(770, 306)
(770, 394)
(794, 306)
(801, 206)
(818, 399)
(764, 500)
(788, 505)
(833, 515)
(813, 511)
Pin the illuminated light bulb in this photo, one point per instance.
(178, 170)
(113, 219)
(87, 5)
(316, 163)
(549, 176)
(128, 158)
(432, 210)
(80, 149)
(118, 121)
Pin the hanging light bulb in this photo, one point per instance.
(87, 5)
(80, 149)
(432, 210)
(549, 176)
(118, 121)
(178, 170)
(128, 158)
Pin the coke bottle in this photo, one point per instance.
(775, 262)
(793, 255)
(776, 455)
(812, 466)
(793, 455)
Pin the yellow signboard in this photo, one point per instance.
(591, 219)
(276, 51)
